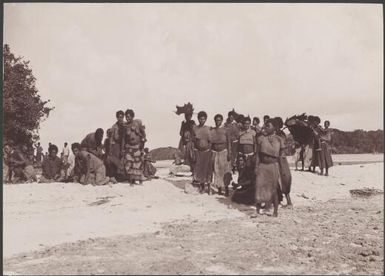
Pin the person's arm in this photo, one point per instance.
(87, 161)
(257, 149)
(181, 131)
(58, 174)
(228, 146)
(19, 160)
(254, 145)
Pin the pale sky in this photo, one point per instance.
(92, 59)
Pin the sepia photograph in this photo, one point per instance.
(193, 139)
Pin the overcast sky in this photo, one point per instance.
(91, 60)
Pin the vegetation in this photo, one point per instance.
(23, 107)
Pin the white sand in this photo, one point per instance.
(37, 215)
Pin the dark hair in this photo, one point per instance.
(75, 146)
(202, 114)
(65, 143)
(130, 112)
(145, 150)
(279, 122)
(119, 113)
(99, 136)
(52, 148)
(274, 122)
(218, 116)
(266, 117)
(327, 121)
(256, 119)
(240, 118)
(245, 119)
(231, 113)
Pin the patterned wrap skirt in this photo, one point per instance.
(133, 163)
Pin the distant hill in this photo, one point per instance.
(165, 153)
(344, 142)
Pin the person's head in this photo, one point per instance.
(271, 125)
(246, 122)
(231, 116)
(65, 144)
(108, 133)
(266, 118)
(326, 124)
(120, 116)
(218, 119)
(146, 150)
(188, 116)
(99, 136)
(279, 122)
(130, 114)
(256, 121)
(241, 162)
(52, 150)
(38, 143)
(202, 117)
(76, 148)
(7, 148)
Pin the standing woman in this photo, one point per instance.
(186, 144)
(221, 156)
(134, 139)
(316, 147)
(246, 147)
(116, 147)
(284, 169)
(233, 131)
(267, 180)
(202, 146)
(326, 151)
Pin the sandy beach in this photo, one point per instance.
(154, 228)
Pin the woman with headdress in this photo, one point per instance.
(186, 144)
(284, 169)
(221, 155)
(267, 178)
(134, 139)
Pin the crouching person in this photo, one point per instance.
(93, 170)
(51, 166)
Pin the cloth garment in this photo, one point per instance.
(221, 169)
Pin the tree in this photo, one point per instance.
(23, 108)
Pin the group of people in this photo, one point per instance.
(120, 157)
(257, 152)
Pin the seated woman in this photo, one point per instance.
(51, 166)
(244, 190)
(90, 169)
(148, 170)
(20, 169)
